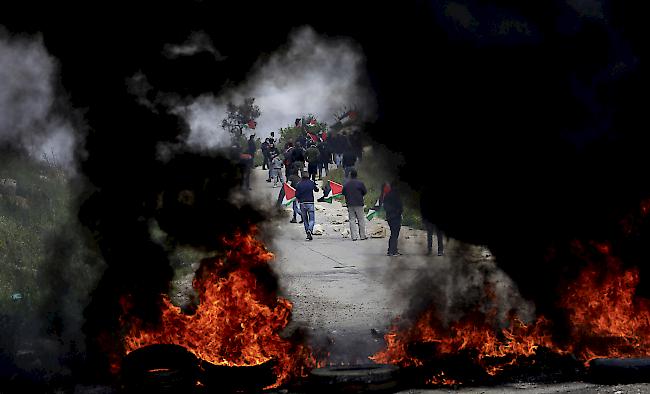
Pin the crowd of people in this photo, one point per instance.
(302, 162)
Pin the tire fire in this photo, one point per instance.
(605, 319)
(238, 320)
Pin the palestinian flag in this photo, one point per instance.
(289, 194)
(251, 124)
(336, 190)
(348, 116)
(314, 137)
(372, 212)
(312, 122)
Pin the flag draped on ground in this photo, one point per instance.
(289, 194)
(372, 212)
(336, 190)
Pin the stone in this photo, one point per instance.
(318, 230)
(379, 232)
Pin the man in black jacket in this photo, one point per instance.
(354, 190)
(392, 203)
(349, 160)
(429, 221)
(298, 156)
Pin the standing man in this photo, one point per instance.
(324, 159)
(246, 165)
(313, 156)
(429, 220)
(276, 170)
(349, 160)
(305, 194)
(265, 153)
(298, 156)
(354, 190)
(252, 148)
(392, 203)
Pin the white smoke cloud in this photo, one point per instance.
(196, 43)
(27, 97)
(311, 74)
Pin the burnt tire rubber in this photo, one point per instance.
(159, 369)
(372, 378)
(619, 370)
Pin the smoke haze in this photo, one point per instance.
(28, 101)
(311, 74)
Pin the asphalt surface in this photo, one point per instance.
(346, 293)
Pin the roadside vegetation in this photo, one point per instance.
(42, 249)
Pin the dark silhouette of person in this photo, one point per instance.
(392, 203)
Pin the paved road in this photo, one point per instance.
(342, 290)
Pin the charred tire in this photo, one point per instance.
(246, 379)
(159, 369)
(619, 370)
(374, 378)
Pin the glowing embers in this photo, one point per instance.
(238, 320)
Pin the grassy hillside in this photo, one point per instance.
(42, 249)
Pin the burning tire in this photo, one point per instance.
(246, 379)
(355, 378)
(620, 370)
(160, 369)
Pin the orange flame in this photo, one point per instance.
(605, 317)
(494, 349)
(237, 322)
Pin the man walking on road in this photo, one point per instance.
(354, 190)
(392, 203)
(305, 195)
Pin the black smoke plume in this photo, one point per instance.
(521, 122)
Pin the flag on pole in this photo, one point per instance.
(348, 116)
(314, 137)
(289, 194)
(336, 190)
(372, 212)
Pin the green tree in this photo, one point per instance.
(241, 116)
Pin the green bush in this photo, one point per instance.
(289, 133)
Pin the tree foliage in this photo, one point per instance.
(238, 116)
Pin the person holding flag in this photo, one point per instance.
(354, 190)
(372, 212)
(330, 191)
(305, 195)
(288, 196)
